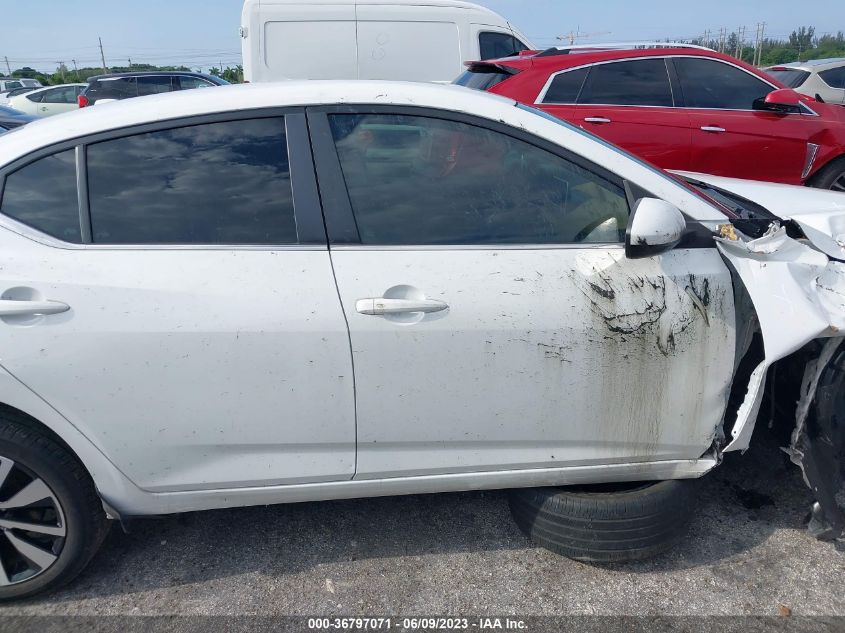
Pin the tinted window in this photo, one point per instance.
(791, 77)
(113, 89)
(416, 180)
(153, 85)
(711, 84)
(189, 83)
(566, 86)
(496, 45)
(37, 97)
(65, 94)
(835, 77)
(642, 82)
(220, 183)
(482, 77)
(43, 195)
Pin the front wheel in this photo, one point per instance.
(831, 176)
(607, 522)
(51, 520)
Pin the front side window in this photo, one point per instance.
(216, 183)
(640, 82)
(423, 181)
(43, 195)
(715, 85)
(497, 45)
(123, 88)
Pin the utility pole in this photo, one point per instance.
(740, 42)
(130, 64)
(9, 68)
(103, 55)
(76, 70)
(758, 48)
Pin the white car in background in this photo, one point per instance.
(321, 290)
(822, 77)
(49, 101)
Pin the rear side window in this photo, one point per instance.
(217, 183)
(43, 195)
(189, 83)
(835, 77)
(153, 85)
(641, 82)
(715, 85)
(792, 77)
(482, 77)
(424, 181)
(496, 45)
(566, 87)
(113, 89)
(66, 95)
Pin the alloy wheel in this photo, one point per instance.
(32, 524)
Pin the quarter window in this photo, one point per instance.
(217, 183)
(566, 86)
(711, 84)
(43, 196)
(424, 181)
(497, 45)
(641, 82)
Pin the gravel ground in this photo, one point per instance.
(747, 553)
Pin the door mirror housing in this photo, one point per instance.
(655, 227)
(783, 100)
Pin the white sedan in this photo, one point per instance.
(46, 102)
(325, 290)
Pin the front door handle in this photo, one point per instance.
(597, 119)
(10, 307)
(713, 128)
(383, 307)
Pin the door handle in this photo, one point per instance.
(597, 119)
(383, 307)
(713, 128)
(10, 307)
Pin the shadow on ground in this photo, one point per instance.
(741, 504)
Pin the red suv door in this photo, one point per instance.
(729, 137)
(627, 102)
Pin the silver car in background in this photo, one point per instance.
(822, 77)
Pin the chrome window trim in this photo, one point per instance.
(481, 247)
(540, 99)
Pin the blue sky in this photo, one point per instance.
(202, 33)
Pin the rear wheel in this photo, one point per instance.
(608, 522)
(831, 176)
(51, 520)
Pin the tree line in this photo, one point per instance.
(802, 45)
(63, 74)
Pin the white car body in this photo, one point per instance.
(190, 378)
(823, 77)
(48, 101)
(408, 40)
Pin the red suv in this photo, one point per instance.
(680, 107)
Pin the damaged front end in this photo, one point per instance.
(797, 287)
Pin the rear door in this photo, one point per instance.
(495, 321)
(198, 339)
(630, 103)
(730, 138)
(58, 100)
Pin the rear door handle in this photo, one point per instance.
(597, 119)
(9, 307)
(713, 128)
(382, 307)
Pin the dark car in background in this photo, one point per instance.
(11, 118)
(115, 87)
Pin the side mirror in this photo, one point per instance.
(783, 100)
(655, 227)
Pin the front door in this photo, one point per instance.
(197, 337)
(495, 321)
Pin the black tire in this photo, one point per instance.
(37, 455)
(606, 523)
(831, 176)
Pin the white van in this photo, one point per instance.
(410, 40)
